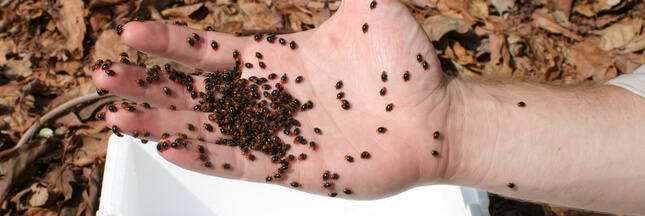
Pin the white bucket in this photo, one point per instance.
(137, 181)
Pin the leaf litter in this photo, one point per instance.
(46, 49)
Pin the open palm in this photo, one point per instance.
(401, 157)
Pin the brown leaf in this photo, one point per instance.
(620, 34)
(18, 69)
(16, 167)
(71, 26)
(181, 12)
(6, 47)
(87, 151)
(59, 178)
(109, 46)
(592, 61)
(437, 26)
(542, 19)
(39, 212)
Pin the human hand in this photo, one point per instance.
(401, 158)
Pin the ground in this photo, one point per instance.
(48, 102)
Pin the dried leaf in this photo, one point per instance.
(87, 151)
(6, 47)
(181, 12)
(479, 9)
(39, 212)
(18, 69)
(620, 34)
(502, 6)
(592, 61)
(72, 26)
(437, 26)
(109, 45)
(59, 179)
(542, 19)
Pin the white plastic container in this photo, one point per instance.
(137, 181)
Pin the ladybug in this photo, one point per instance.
(119, 29)
(201, 157)
(406, 76)
(384, 76)
(191, 41)
(419, 57)
(295, 184)
(164, 145)
(193, 94)
(214, 45)
(372, 5)
(165, 136)
(389, 107)
(383, 91)
(339, 84)
(302, 156)
(172, 107)
(326, 175)
(258, 37)
(208, 127)
(130, 108)
(226, 166)
(282, 41)
(166, 90)
(365, 155)
(272, 76)
(381, 130)
(283, 79)
(510, 185)
(236, 54)
(334, 176)
(209, 28)
(262, 65)
(258, 55)
(110, 72)
(140, 82)
(435, 153)
(313, 145)
(425, 64)
(521, 104)
(436, 135)
(299, 79)
(328, 184)
(135, 134)
(190, 127)
(248, 65)
(251, 157)
(333, 194)
(269, 179)
(145, 105)
(318, 131)
(345, 105)
(277, 176)
(364, 28)
(201, 149)
(340, 95)
(207, 164)
(196, 36)
(112, 108)
(145, 133)
(144, 141)
(347, 191)
(293, 45)
(173, 145)
(349, 158)
(101, 116)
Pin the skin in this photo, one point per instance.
(583, 154)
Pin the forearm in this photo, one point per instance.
(577, 146)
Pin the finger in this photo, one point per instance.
(127, 79)
(171, 41)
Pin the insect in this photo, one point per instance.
(262, 65)
(145, 133)
(164, 145)
(521, 104)
(201, 157)
(328, 184)
(419, 57)
(214, 45)
(173, 145)
(318, 131)
(373, 5)
(207, 164)
(130, 108)
(193, 94)
(340, 95)
(248, 65)
(295, 184)
(345, 105)
(297, 132)
(172, 107)
(349, 158)
(271, 38)
(272, 76)
(302, 156)
(326, 175)
(196, 36)
(236, 54)
(364, 28)
(277, 176)
(406, 76)
(510, 185)
(144, 141)
(269, 178)
(383, 91)
(101, 92)
(389, 107)
(333, 194)
(112, 108)
(201, 149)
(140, 82)
(251, 157)
(166, 90)
(282, 41)
(165, 136)
(191, 41)
(313, 145)
(110, 72)
(381, 130)
(145, 105)
(339, 84)
(293, 45)
(434, 153)
(209, 28)
(226, 166)
(139, 18)
(119, 29)
(258, 55)
(299, 79)
(365, 155)
(425, 64)
(384, 76)
(347, 191)
(100, 116)
(334, 176)
(190, 127)
(436, 135)
(283, 79)
(200, 138)
(208, 127)
(258, 37)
